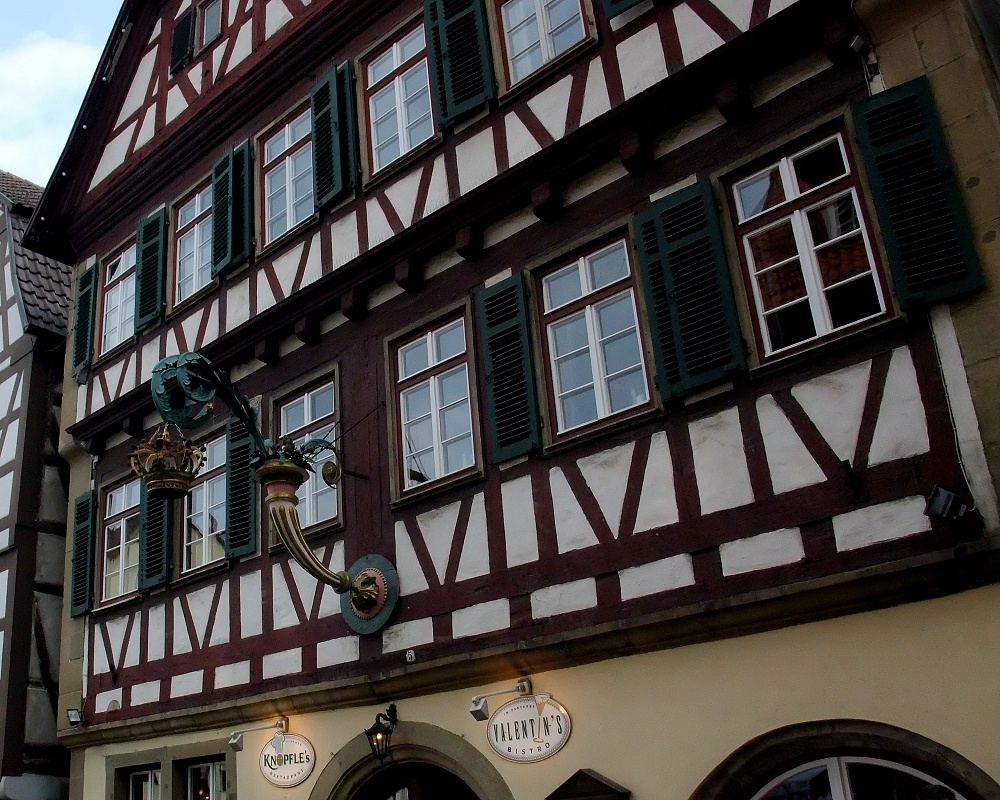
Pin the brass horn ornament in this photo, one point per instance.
(183, 388)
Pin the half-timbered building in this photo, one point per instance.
(656, 340)
(34, 300)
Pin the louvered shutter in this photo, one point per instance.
(510, 377)
(156, 530)
(241, 493)
(335, 136)
(82, 580)
(83, 335)
(151, 269)
(696, 333)
(232, 209)
(612, 8)
(461, 64)
(182, 43)
(924, 225)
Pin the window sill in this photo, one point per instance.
(601, 428)
(119, 349)
(189, 302)
(436, 487)
(107, 607)
(402, 163)
(190, 576)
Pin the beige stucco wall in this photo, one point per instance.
(659, 723)
(938, 38)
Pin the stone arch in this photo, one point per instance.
(353, 764)
(762, 759)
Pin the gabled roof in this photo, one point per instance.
(43, 283)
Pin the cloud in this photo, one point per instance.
(42, 83)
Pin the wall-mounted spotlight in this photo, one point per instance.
(380, 734)
(236, 739)
(75, 717)
(480, 710)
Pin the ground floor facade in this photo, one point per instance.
(914, 685)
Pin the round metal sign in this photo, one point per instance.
(287, 759)
(529, 729)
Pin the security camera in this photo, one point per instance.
(479, 710)
(236, 742)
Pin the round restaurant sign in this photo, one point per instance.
(529, 728)
(287, 760)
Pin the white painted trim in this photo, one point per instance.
(972, 454)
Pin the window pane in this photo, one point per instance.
(411, 44)
(761, 193)
(293, 416)
(419, 435)
(380, 67)
(413, 358)
(616, 316)
(819, 166)
(213, 21)
(449, 341)
(790, 325)
(811, 784)
(458, 454)
(781, 285)
(565, 24)
(609, 266)
(526, 63)
(563, 287)
(420, 468)
(773, 245)
(876, 781)
(517, 11)
(187, 212)
(453, 387)
(417, 402)
(627, 389)
(215, 453)
(579, 408)
(834, 219)
(321, 402)
(383, 104)
(299, 128)
(574, 371)
(569, 335)
(274, 146)
(853, 301)
(455, 421)
(621, 353)
(843, 260)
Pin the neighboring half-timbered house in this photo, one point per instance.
(649, 335)
(34, 300)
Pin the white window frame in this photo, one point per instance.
(217, 781)
(321, 427)
(836, 767)
(116, 517)
(199, 230)
(213, 476)
(118, 300)
(599, 374)
(545, 35)
(804, 245)
(154, 783)
(436, 372)
(285, 159)
(401, 69)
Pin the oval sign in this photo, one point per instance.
(287, 759)
(529, 729)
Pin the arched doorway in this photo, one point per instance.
(414, 781)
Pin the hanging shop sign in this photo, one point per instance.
(287, 760)
(529, 729)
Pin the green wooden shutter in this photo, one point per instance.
(83, 335)
(335, 136)
(232, 209)
(241, 492)
(82, 580)
(696, 332)
(182, 43)
(612, 8)
(461, 64)
(510, 377)
(151, 270)
(926, 232)
(156, 530)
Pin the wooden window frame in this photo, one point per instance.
(587, 304)
(549, 56)
(394, 77)
(196, 226)
(210, 474)
(203, 40)
(400, 385)
(793, 210)
(126, 301)
(283, 159)
(325, 427)
(120, 517)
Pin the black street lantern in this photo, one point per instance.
(380, 733)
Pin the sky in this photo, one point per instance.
(48, 53)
